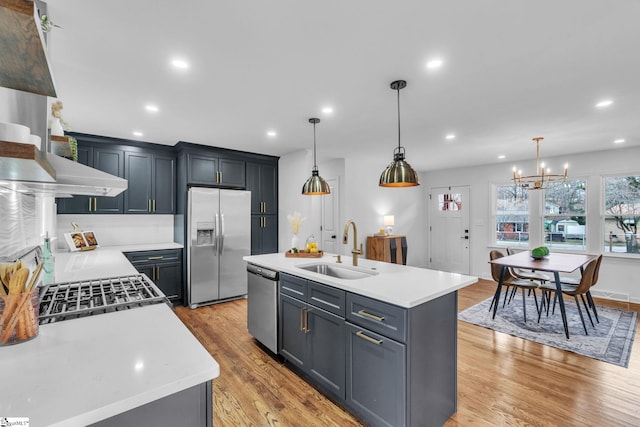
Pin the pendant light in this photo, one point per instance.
(315, 185)
(399, 173)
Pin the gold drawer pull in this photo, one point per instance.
(368, 338)
(371, 316)
(155, 257)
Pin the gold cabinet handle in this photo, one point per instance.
(302, 319)
(158, 273)
(265, 222)
(306, 321)
(149, 205)
(221, 177)
(368, 338)
(156, 257)
(154, 205)
(95, 204)
(371, 316)
(90, 203)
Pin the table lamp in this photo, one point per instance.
(388, 223)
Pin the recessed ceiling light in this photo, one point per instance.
(327, 110)
(618, 141)
(604, 103)
(450, 136)
(502, 156)
(180, 63)
(151, 108)
(434, 63)
(137, 133)
(271, 133)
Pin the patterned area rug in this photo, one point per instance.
(610, 341)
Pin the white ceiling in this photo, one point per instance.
(513, 70)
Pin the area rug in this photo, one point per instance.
(610, 341)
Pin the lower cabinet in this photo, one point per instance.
(312, 339)
(163, 267)
(264, 234)
(389, 365)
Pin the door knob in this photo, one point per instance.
(333, 236)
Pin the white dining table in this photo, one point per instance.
(555, 263)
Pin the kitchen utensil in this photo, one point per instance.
(16, 308)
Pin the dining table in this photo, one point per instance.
(554, 262)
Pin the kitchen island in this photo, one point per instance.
(380, 338)
(109, 368)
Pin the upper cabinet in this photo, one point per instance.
(215, 171)
(24, 65)
(262, 180)
(150, 172)
(152, 182)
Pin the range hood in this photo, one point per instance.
(46, 173)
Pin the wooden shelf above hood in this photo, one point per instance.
(24, 64)
(24, 162)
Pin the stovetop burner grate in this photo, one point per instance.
(70, 300)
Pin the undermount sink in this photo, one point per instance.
(338, 271)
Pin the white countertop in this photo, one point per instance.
(80, 371)
(401, 285)
(146, 247)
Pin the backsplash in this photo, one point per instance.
(114, 230)
(19, 225)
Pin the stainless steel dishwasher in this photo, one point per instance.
(262, 305)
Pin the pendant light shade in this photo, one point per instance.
(315, 185)
(399, 173)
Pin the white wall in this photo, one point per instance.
(619, 276)
(361, 200)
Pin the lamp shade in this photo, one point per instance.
(399, 173)
(315, 185)
(388, 220)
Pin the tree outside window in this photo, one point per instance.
(512, 216)
(565, 220)
(622, 214)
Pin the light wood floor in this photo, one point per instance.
(502, 380)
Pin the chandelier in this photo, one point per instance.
(543, 178)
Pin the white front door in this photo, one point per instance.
(449, 229)
(330, 221)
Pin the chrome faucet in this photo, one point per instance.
(345, 240)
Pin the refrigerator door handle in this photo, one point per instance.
(221, 233)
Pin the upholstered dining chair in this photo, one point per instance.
(511, 281)
(581, 290)
(575, 281)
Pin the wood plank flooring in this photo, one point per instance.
(502, 380)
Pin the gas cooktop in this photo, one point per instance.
(62, 301)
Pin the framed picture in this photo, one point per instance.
(81, 240)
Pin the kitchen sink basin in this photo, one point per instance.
(339, 271)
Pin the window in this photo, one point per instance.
(512, 215)
(450, 202)
(621, 214)
(565, 220)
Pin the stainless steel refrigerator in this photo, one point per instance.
(219, 227)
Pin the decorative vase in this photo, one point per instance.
(56, 127)
(295, 241)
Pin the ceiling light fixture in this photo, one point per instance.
(315, 185)
(137, 133)
(179, 63)
(327, 110)
(502, 156)
(271, 134)
(399, 173)
(543, 178)
(618, 141)
(151, 108)
(604, 103)
(450, 136)
(433, 64)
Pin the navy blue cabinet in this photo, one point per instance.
(163, 267)
(214, 171)
(262, 181)
(152, 183)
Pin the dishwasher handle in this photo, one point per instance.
(264, 272)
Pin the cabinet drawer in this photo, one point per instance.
(156, 257)
(293, 286)
(327, 298)
(386, 319)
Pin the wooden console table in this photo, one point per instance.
(390, 248)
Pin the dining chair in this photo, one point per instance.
(575, 281)
(581, 290)
(509, 280)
